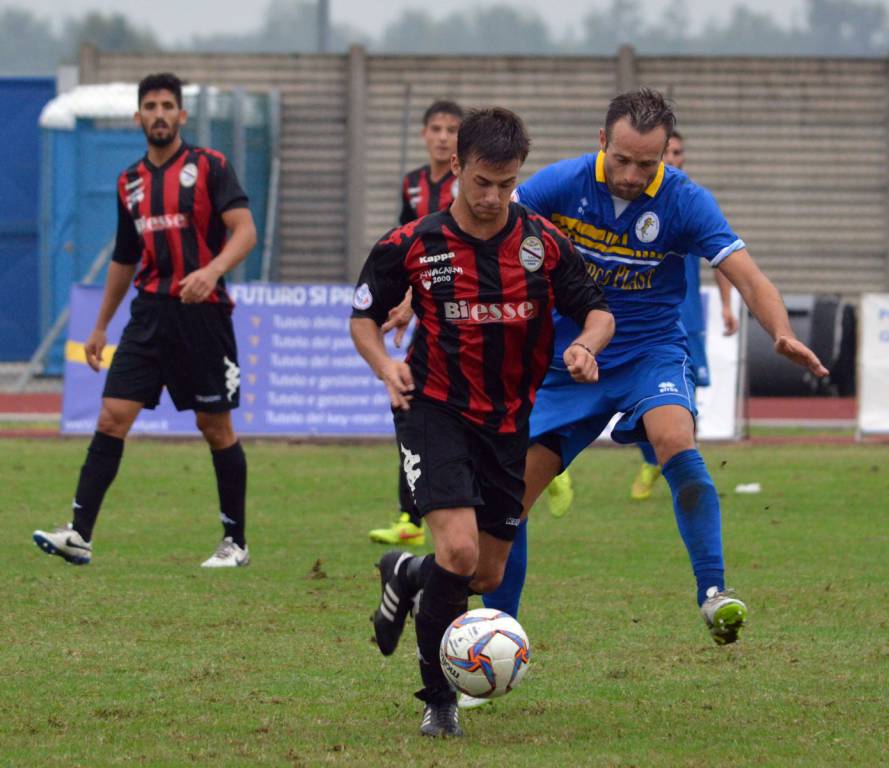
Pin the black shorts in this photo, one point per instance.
(188, 348)
(450, 462)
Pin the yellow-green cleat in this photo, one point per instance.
(403, 532)
(725, 615)
(560, 494)
(644, 482)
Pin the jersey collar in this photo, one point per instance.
(651, 190)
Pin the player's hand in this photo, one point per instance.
(729, 322)
(399, 318)
(93, 348)
(396, 375)
(797, 352)
(196, 286)
(581, 364)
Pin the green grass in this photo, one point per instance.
(143, 658)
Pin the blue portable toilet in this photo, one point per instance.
(88, 138)
(21, 100)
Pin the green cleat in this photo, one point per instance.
(725, 615)
(644, 482)
(403, 532)
(560, 494)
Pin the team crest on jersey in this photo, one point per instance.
(648, 226)
(188, 175)
(362, 298)
(531, 253)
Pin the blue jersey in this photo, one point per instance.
(691, 311)
(638, 257)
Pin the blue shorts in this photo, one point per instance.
(576, 414)
(697, 352)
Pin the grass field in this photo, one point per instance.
(143, 658)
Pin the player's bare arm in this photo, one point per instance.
(395, 374)
(198, 285)
(116, 286)
(729, 321)
(580, 355)
(764, 301)
(399, 318)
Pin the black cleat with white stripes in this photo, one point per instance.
(389, 618)
(441, 718)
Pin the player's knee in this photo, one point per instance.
(666, 446)
(217, 431)
(113, 422)
(458, 556)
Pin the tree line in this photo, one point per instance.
(29, 45)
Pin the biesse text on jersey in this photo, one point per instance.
(421, 196)
(170, 218)
(638, 257)
(484, 309)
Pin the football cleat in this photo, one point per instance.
(559, 494)
(228, 555)
(464, 701)
(65, 542)
(644, 482)
(441, 719)
(389, 618)
(402, 532)
(725, 615)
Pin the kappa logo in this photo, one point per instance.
(232, 377)
(363, 297)
(411, 467)
(531, 253)
(667, 387)
(437, 258)
(492, 312)
(648, 226)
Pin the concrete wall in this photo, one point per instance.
(794, 149)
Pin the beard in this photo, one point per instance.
(163, 140)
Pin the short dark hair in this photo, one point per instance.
(442, 107)
(494, 135)
(676, 135)
(162, 81)
(645, 110)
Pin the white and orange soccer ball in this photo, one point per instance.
(484, 653)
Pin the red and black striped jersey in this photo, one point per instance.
(169, 218)
(484, 332)
(421, 196)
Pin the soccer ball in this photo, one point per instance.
(484, 653)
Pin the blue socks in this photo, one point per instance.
(507, 596)
(648, 454)
(696, 506)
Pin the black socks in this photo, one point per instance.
(96, 475)
(445, 597)
(231, 481)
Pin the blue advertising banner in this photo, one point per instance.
(300, 373)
